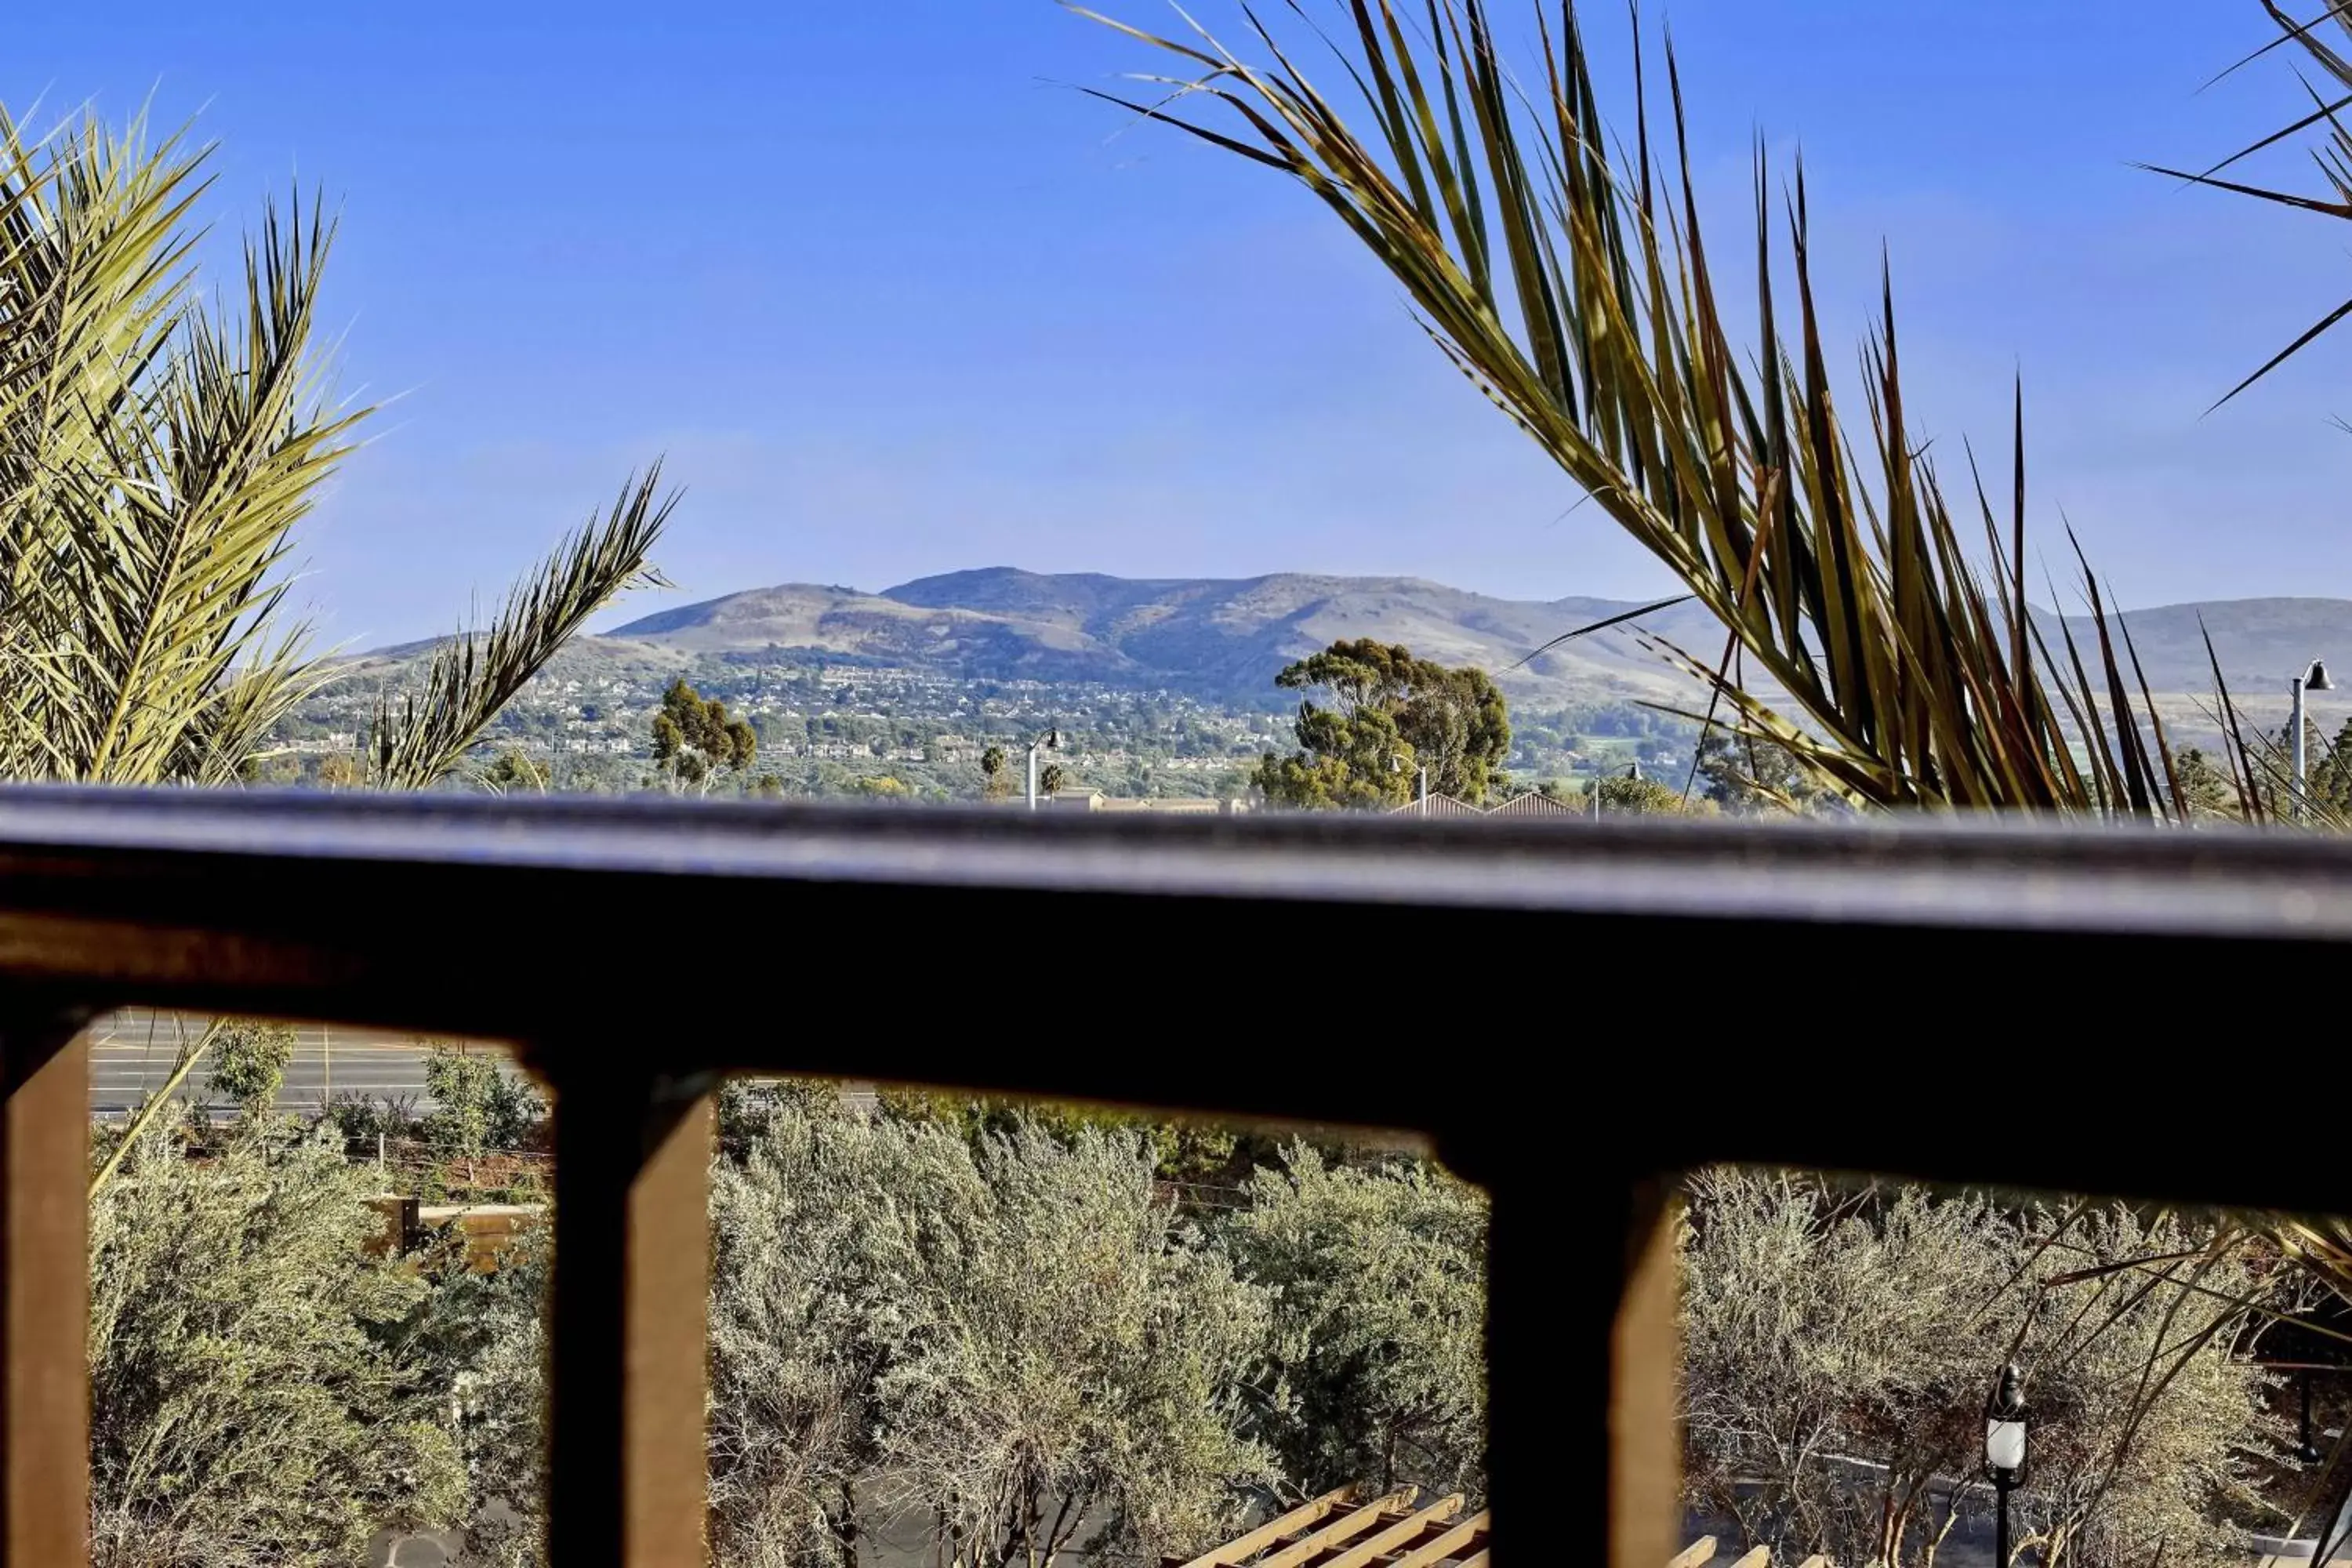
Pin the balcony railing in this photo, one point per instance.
(1571, 1013)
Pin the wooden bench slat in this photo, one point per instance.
(1691, 1556)
(1266, 1534)
(1445, 1545)
(1345, 1529)
(1397, 1534)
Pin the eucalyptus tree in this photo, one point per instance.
(1389, 714)
(695, 738)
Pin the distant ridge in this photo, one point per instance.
(1225, 637)
(1220, 640)
(1214, 637)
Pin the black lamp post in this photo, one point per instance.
(2312, 679)
(2005, 1451)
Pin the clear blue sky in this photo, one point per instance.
(894, 298)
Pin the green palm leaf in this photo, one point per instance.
(420, 740)
(1574, 288)
(2333, 155)
(157, 457)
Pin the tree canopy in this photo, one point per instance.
(1390, 714)
(512, 770)
(1379, 1281)
(1743, 774)
(479, 1104)
(250, 1057)
(695, 738)
(1632, 793)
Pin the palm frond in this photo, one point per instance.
(188, 518)
(422, 738)
(157, 454)
(1575, 289)
(2333, 154)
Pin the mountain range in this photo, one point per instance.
(1220, 640)
(1223, 638)
(1216, 638)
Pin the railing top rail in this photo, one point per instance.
(1937, 873)
(1376, 971)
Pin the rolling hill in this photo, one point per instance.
(1225, 637)
(1211, 637)
(1220, 640)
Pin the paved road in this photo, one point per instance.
(133, 1050)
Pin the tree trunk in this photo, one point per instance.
(1055, 1535)
(1951, 1517)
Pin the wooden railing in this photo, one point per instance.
(1571, 1013)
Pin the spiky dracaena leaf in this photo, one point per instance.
(1574, 288)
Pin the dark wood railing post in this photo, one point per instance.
(1645, 1366)
(44, 1301)
(629, 1336)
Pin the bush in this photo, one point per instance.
(1623, 794)
(250, 1403)
(477, 1104)
(1379, 1282)
(363, 1118)
(1182, 1150)
(1013, 1338)
(249, 1061)
(1839, 1345)
(483, 1341)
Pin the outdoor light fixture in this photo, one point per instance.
(2312, 679)
(2005, 1449)
(1420, 794)
(1051, 740)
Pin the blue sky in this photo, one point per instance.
(896, 299)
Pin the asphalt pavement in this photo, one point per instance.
(132, 1053)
